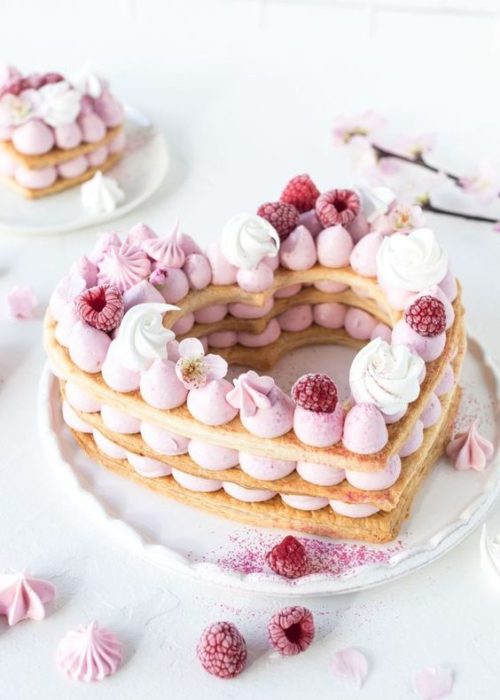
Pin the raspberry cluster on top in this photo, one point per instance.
(350, 266)
(56, 132)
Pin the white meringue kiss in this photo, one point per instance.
(142, 338)
(385, 375)
(247, 238)
(374, 201)
(411, 262)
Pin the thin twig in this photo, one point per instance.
(427, 206)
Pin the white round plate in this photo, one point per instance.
(139, 173)
(178, 538)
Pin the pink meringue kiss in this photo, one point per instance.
(265, 468)
(93, 128)
(198, 271)
(175, 287)
(298, 250)
(364, 255)
(85, 268)
(376, 481)
(429, 348)
(365, 431)
(36, 179)
(23, 597)
(265, 410)
(212, 456)
(183, 325)
(382, 331)
(79, 400)
(334, 246)
(222, 271)
(141, 293)
(160, 386)
(109, 110)
(196, 483)
(353, 510)
(247, 495)
(209, 403)
(359, 228)
(414, 441)
(68, 319)
(296, 319)
(148, 467)
(163, 442)
(316, 428)
(432, 412)
(68, 136)
(88, 654)
(33, 138)
(359, 324)
(330, 315)
(470, 450)
(73, 168)
(320, 474)
(118, 143)
(88, 347)
(259, 340)
(256, 280)
(139, 233)
(119, 422)
(117, 376)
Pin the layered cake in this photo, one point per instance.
(56, 132)
(142, 331)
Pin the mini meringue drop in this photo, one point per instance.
(23, 597)
(89, 653)
(142, 338)
(101, 194)
(247, 239)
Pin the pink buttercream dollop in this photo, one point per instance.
(255, 280)
(432, 412)
(470, 450)
(141, 293)
(365, 431)
(117, 376)
(296, 319)
(265, 468)
(381, 330)
(175, 285)
(68, 136)
(123, 267)
(196, 483)
(73, 420)
(88, 347)
(93, 128)
(353, 510)
(222, 271)
(147, 466)
(320, 474)
(211, 314)
(258, 340)
(334, 246)
(160, 386)
(89, 653)
(364, 255)
(162, 441)
(359, 324)
(138, 234)
(265, 410)
(198, 271)
(36, 179)
(376, 481)
(318, 429)
(79, 399)
(209, 403)
(414, 441)
(23, 597)
(429, 348)
(73, 168)
(33, 138)
(298, 250)
(250, 311)
(247, 495)
(109, 448)
(212, 456)
(310, 220)
(86, 269)
(330, 315)
(289, 291)
(108, 109)
(359, 227)
(222, 339)
(447, 381)
(119, 422)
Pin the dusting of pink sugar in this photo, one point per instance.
(247, 555)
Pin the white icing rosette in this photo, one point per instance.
(411, 262)
(374, 201)
(142, 338)
(386, 376)
(247, 238)
(59, 103)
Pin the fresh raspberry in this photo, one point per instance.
(337, 207)
(426, 316)
(291, 630)
(101, 307)
(222, 650)
(288, 558)
(301, 192)
(315, 392)
(284, 217)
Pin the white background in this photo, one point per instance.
(246, 92)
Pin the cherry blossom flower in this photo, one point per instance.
(416, 145)
(194, 369)
(402, 218)
(484, 182)
(346, 129)
(17, 109)
(21, 302)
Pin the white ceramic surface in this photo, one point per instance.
(139, 173)
(448, 507)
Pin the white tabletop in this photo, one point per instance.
(245, 92)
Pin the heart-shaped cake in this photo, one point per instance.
(141, 333)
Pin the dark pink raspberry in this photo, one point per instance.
(284, 217)
(291, 630)
(288, 558)
(426, 316)
(337, 207)
(301, 192)
(315, 392)
(101, 307)
(222, 650)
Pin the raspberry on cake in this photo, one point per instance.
(142, 333)
(55, 131)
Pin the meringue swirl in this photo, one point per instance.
(247, 238)
(386, 376)
(142, 338)
(411, 262)
(374, 201)
(250, 393)
(123, 267)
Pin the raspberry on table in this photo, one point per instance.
(284, 217)
(288, 558)
(337, 207)
(426, 316)
(291, 630)
(101, 307)
(315, 392)
(301, 192)
(222, 650)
